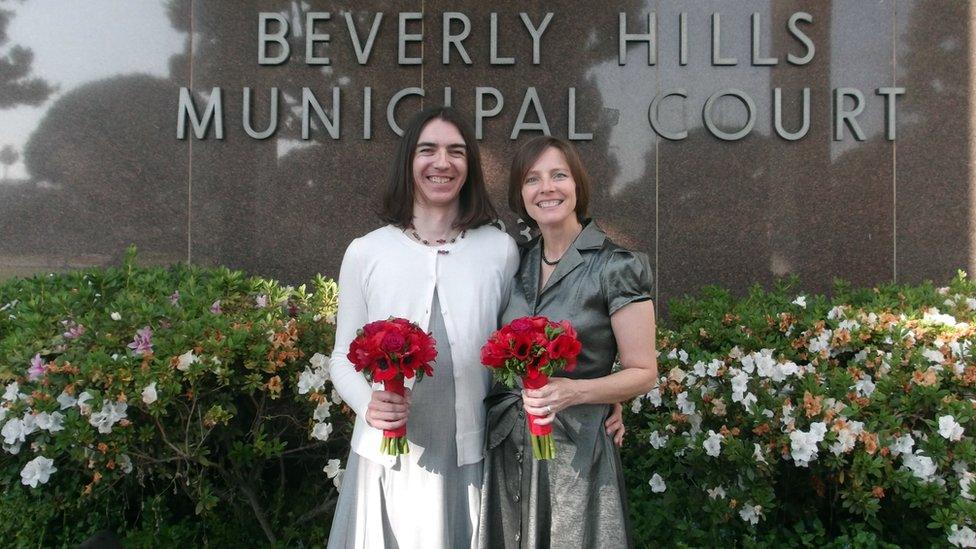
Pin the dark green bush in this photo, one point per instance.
(783, 419)
(200, 434)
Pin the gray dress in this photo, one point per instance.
(576, 499)
(425, 500)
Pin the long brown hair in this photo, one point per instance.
(397, 205)
(527, 156)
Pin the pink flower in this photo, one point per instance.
(175, 298)
(142, 342)
(261, 301)
(37, 368)
(215, 308)
(74, 330)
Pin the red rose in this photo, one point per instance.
(393, 341)
(520, 325)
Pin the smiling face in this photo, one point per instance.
(549, 190)
(440, 164)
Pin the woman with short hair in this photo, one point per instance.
(573, 272)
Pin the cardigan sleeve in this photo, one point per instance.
(351, 385)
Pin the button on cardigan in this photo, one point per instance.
(386, 273)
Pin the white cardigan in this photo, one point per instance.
(386, 273)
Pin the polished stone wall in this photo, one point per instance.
(89, 102)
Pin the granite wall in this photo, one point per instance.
(90, 94)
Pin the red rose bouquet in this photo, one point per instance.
(532, 348)
(390, 351)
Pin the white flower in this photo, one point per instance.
(751, 513)
(311, 380)
(636, 405)
(735, 353)
(949, 428)
(680, 354)
(790, 369)
(319, 361)
(921, 466)
(800, 300)
(715, 493)
(934, 355)
(14, 432)
(699, 369)
(125, 462)
(962, 537)
(12, 393)
(322, 411)
(803, 445)
(115, 316)
(335, 397)
(933, 316)
(110, 414)
(322, 431)
(66, 401)
(821, 342)
(37, 471)
(740, 383)
(51, 423)
(864, 386)
(657, 440)
(332, 468)
(686, 406)
(82, 402)
(757, 454)
(185, 360)
(835, 313)
(971, 303)
(748, 401)
(714, 366)
(149, 393)
(765, 364)
(849, 325)
(654, 396)
(337, 480)
(965, 482)
(713, 444)
(847, 433)
(657, 484)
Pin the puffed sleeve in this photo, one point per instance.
(626, 279)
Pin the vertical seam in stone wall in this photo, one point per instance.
(657, 187)
(894, 149)
(423, 23)
(189, 163)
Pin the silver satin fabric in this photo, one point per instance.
(577, 499)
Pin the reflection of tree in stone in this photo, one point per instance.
(111, 166)
(16, 85)
(8, 155)
(256, 207)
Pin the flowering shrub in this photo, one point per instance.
(140, 399)
(803, 420)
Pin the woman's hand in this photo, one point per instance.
(560, 393)
(388, 411)
(615, 425)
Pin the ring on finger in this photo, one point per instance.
(549, 408)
